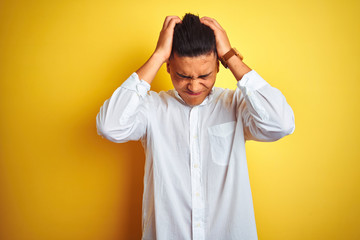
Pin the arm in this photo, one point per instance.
(162, 51)
(123, 116)
(235, 64)
(263, 109)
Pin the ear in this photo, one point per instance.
(168, 66)
(217, 65)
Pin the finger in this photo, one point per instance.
(210, 22)
(211, 25)
(168, 20)
(173, 22)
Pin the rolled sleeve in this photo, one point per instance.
(264, 110)
(122, 117)
(134, 83)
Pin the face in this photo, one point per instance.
(193, 77)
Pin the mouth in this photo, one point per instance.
(193, 94)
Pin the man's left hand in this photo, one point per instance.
(222, 40)
(236, 65)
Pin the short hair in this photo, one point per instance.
(193, 38)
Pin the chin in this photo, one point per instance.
(194, 103)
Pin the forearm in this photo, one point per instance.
(237, 67)
(147, 72)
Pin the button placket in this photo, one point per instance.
(196, 181)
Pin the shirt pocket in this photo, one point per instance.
(221, 141)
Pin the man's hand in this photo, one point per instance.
(235, 64)
(162, 52)
(222, 40)
(164, 44)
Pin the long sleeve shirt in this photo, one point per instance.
(196, 183)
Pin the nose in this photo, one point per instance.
(194, 86)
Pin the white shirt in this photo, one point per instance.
(196, 183)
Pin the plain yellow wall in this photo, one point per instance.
(60, 60)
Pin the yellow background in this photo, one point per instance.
(60, 60)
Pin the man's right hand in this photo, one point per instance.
(162, 52)
(164, 44)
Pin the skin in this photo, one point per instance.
(191, 84)
(193, 77)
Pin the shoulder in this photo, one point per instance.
(162, 97)
(225, 94)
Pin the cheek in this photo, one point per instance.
(210, 83)
(178, 84)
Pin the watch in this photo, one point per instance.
(228, 55)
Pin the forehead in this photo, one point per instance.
(194, 65)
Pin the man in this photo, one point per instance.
(196, 183)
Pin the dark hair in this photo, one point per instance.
(192, 38)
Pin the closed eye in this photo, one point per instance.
(205, 76)
(188, 77)
(183, 76)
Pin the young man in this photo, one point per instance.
(196, 183)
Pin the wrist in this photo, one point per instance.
(147, 72)
(228, 55)
(222, 52)
(159, 58)
(238, 67)
(233, 60)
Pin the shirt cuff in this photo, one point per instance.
(251, 81)
(134, 83)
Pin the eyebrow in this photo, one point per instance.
(184, 76)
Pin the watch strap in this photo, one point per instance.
(228, 55)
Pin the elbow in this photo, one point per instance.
(272, 125)
(101, 130)
(273, 132)
(100, 126)
(119, 133)
(285, 128)
(106, 132)
(289, 125)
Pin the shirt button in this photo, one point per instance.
(195, 136)
(198, 225)
(196, 166)
(197, 194)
